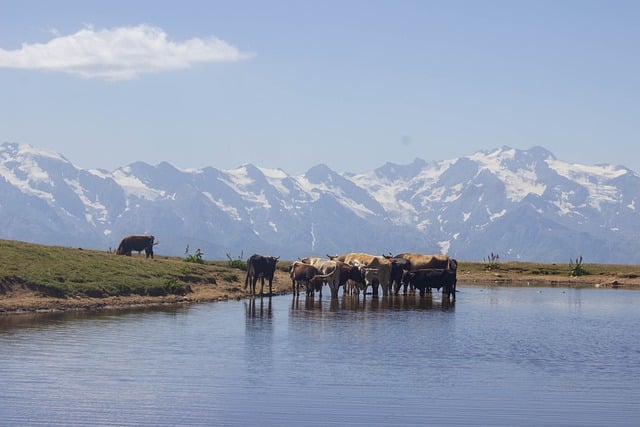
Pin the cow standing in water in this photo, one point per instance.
(260, 267)
(136, 243)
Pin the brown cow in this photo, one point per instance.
(330, 269)
(136, 243)
(380, 263)
(421, 261)
(304, 273)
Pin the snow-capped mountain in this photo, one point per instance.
(521, 204)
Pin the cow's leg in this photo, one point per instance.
(334, 291)
(374, 289)
(270, 282)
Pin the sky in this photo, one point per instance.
(291, 84)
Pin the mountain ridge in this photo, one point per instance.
(522, 204)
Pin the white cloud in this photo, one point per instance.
(119, 53)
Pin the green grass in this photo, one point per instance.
(560, 269)
(64, 272)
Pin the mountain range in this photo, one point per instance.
(520, 204)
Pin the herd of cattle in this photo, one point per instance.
(355, 272)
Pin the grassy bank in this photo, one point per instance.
(40, 278)
(65, 272)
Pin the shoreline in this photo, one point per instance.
(21, 300)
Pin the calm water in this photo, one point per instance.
(499, 356)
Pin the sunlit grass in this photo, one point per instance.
(63, 272)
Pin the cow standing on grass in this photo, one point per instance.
(136, 243)
(260, 267)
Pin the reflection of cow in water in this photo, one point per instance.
(136, 243)
(260, 267)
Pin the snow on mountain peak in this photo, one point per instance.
(595, 179)
(519, 179)
(133, 186)
(510, 201)
(19, 166)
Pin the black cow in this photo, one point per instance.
(136, 243)
(263, 267)
(428, 278)
(348, 272)
(398, 267)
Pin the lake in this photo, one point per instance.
(499, 356)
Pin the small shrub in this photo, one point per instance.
(576, 269)
(237, 262)
(491, 262)
(196, 257)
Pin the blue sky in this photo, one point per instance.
(291, 84)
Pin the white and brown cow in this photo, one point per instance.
(309, 276)
(380, 263)
(329, 269)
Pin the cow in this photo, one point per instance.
(421, 261)
(308, 275)
(328, 268)
(370, 261)
(136, 243)
(370, 276)
(428, 278)
(398, 267)
(260, 267)
(350, 276)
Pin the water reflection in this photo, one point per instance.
(253, 310)
(10, 324)
(355, 303)
(529, 356)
